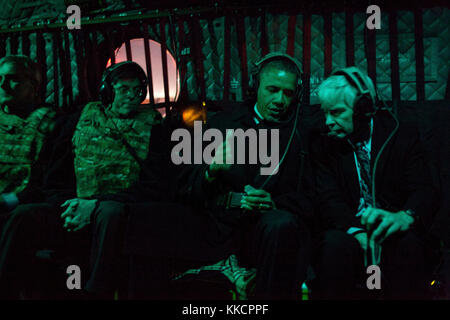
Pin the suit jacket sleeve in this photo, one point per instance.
(191, 185)
(300, 200)
(417, 182)
(334, 211)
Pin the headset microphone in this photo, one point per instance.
(364, 108)
(254, 84)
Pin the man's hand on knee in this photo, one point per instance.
(78, 213)
(381, 223)
(362, 239)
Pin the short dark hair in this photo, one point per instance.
(130, 71)
(279, 63)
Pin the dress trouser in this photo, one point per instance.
(108, 267)
(339, 267)
(276, 243)
(33, 227)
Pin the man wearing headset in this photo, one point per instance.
(369, 220)
(97, 156)
(231, 209)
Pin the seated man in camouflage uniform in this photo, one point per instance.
(25, 135)
(98, 154)
(23, 131)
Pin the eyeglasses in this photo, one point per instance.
(123, 90)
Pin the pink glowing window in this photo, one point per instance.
(138, 56)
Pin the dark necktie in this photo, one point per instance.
(362, 155)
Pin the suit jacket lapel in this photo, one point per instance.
(349, 174)
(382, 128)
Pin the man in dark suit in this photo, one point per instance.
(375, 197)
(233, 209)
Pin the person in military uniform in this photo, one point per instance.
(97, 155)
(24, 128)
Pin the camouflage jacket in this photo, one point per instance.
(103, 164)
(21, 141)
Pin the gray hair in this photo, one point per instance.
(337, 87)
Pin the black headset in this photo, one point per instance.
(364, 108)
(365, 105)
(254, 84)
(258, 66)
(106, 91)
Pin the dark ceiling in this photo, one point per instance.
(313, 5)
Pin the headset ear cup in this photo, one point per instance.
(252, 90)
(365, 104)
(143, 91)
(104, 93)
(255, 86)
(105, 87)
(144, 84)
(363, 107)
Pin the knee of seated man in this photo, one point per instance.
(338, 240)
(108, 211)
(408, 240)
(279, 220)
(29, 212)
